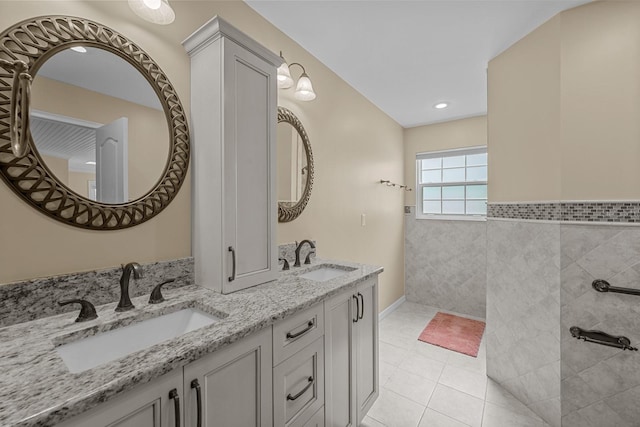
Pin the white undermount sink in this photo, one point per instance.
(325, 273)
(89, 352)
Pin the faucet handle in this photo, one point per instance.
(156, 295)
(286, 263)
(307, 260)
(87, 312)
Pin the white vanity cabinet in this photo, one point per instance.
(234, 117)
(317, 367)
(235, 391)
(235, 385)
(351, 355)
(149, 405)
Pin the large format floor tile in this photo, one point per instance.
(393, 410)
(422, 385)
(457, 405)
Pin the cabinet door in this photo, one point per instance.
(250, 209)
(148, 405)
(367, 348)
(235, 385)
(340, 378)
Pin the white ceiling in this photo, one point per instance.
(101, 71)
(406, 56)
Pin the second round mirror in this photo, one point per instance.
(295, 166)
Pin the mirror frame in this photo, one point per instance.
(30, 178)
(289, 213)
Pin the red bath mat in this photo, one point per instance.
(454, 333)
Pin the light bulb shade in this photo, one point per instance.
(304, 89)
(284, 77)
(152, 4)
(163, 14)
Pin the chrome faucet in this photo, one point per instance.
(297, 263)
(125, 302)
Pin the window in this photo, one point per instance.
(452, 184)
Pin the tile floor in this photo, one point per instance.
(422, 385)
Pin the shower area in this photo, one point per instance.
(563, 213)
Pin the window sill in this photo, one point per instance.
(453, 217)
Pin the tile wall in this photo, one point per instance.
(600, 385)
(523, 312)
(539, 284)
(445, 264)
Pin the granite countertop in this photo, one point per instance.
(36, 389)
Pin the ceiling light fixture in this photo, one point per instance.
(156, 11)
(441, 105)
(90, 163)
(304, 88)
(79, 49)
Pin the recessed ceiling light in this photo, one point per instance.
(441, 105)
(79, 49)
(90, 163)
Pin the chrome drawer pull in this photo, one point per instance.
(310, 325)
(310, 380)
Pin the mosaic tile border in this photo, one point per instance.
(601, 211)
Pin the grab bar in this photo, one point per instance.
(604, 286)
(602, 338)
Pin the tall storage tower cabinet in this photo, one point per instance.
(234, 117)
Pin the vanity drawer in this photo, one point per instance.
(298, 386)
(293, 334)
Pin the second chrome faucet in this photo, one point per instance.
(125, 303)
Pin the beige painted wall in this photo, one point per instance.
(600, 72)
(59, 167)
(470, 132)
(354, 145)
(523, 122)
(148, 136)
(79, 181)
(563, 107)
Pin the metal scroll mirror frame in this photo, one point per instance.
(35, 40)
(286, 211)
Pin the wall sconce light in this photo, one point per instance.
(304, 89)
(156, 11)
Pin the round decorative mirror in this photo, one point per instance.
(108, 141)
(295, 166)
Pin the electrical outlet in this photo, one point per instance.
(363, 220)
(407, 209)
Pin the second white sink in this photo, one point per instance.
(98, 349)
(325, 273)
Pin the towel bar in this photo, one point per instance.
(602, 338)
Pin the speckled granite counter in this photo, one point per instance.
(36, 388)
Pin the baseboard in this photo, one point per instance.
(387, 311)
